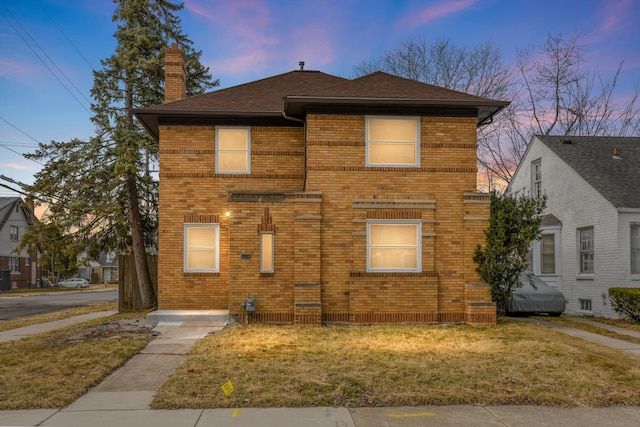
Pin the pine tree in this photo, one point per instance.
(101, 191)
(514, 222)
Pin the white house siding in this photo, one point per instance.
(627, 217)
(577, 204)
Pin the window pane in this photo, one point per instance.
(201, 237)
(547, 247)
(393, 235)
(635, 248)
(232, 161)
(400, 130)
(232, 139)
(266, 252)
(198, 259)
(392, 153)
(391, 258)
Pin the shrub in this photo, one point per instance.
(626, 301)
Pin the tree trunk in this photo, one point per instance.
(147, 295)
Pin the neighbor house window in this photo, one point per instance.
(394, 246)
(635, 248)
(585, 242)
(201, 247)
(13, 233)
(548, 254)
(266, 252)
(233, 150)
(14, 264)
(536, 178)
(585, 304)
(393, 141)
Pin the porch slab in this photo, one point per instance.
(218, 318)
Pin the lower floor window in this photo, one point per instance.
(394, 246)
(201, 247)
(14, 264)
(266, 252)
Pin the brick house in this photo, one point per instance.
(328, 199)
(17, 269)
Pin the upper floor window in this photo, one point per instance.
(586, 250)
(233, 150)
(13, 233)
(635, 248)
(201, 247)
(394, 246)
(393, 141)
(536, 178)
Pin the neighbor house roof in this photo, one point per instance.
(294, 93)
(7, 205)
(616, 177)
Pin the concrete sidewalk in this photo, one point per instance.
(123, 399)
(14, 334)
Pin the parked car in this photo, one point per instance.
(75, 282)
(536, 298)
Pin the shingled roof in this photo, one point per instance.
(294, 93)
(615, 177)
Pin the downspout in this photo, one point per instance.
(304, 125)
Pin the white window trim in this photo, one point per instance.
(393, 165)
(14, 265)
(248, 150)
(635, 275)
(216, 268)
(14, 233)
(537, 251)
(581, 274)
(273, 253)
(418, 268)
(536, 182)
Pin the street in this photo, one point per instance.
(13, 307)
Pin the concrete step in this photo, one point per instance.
(189, 318)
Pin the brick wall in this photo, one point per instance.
(320, 234)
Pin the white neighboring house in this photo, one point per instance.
(591, 228)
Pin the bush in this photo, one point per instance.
(626, 301)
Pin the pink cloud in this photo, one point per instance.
(434, 12)
(17, 166)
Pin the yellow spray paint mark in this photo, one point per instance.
(419, 414)
(227, 388)
(235, 412)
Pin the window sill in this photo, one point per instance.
(585, 277)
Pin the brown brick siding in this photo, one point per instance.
(320, 234)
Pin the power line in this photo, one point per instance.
(42, 60)
(65, 36)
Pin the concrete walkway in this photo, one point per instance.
(123, 399)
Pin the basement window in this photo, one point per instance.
(393, 142)
(585, 304)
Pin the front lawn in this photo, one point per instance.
(511, 363)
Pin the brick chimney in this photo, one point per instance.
(175, 74)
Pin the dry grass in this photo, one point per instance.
(512, 363)
(51, 370)
(57, 315)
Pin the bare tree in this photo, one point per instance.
(555, 95)
(550, 90)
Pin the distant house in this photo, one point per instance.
(591, 230)
(104, 269)
(326, 199)
(17, 270)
